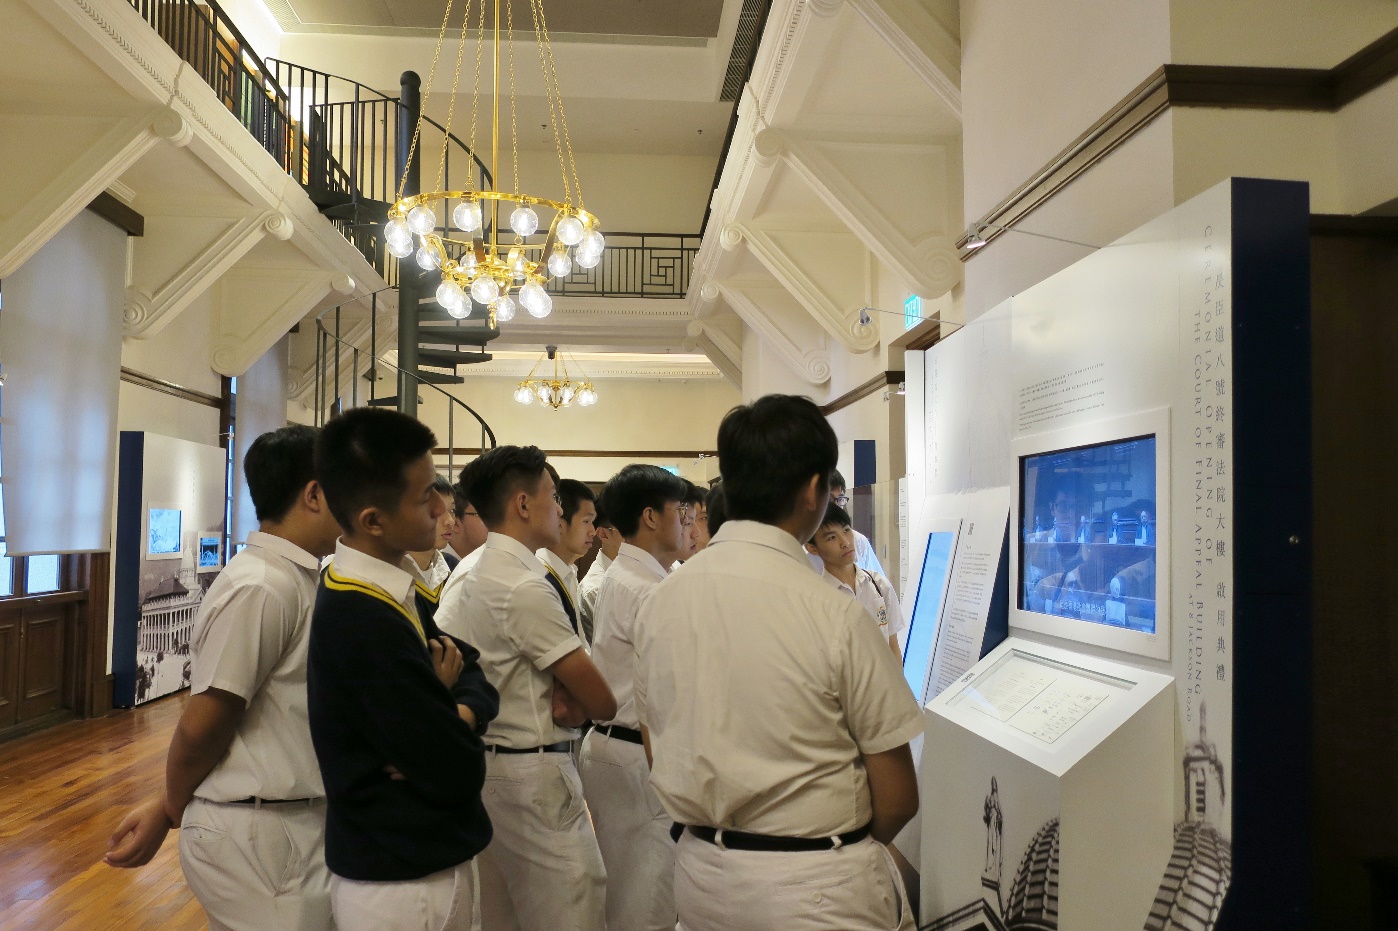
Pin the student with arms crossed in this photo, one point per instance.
(776, 717)
(647, 505)
(396, 707)
(241, 767)
(543, 869)
(834, 544)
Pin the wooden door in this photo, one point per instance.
(9, 665)
(41, 660)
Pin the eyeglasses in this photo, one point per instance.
(841, 500)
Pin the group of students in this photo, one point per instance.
(392, 683)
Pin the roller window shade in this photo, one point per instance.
(60, 349)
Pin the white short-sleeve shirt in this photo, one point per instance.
(250, 639)
(506, 610)
(566, 572)
(876, 594)
(629, 579)
(763, 688)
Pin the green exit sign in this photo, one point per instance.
(912, 311)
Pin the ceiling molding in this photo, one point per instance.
(929, 51)
(841, 322)
(789, 331)
(1323, 90)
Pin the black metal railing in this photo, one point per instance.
(338, 138)
(206, 39)
(635, 265)
(341, 366)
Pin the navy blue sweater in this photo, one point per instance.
(375, 701)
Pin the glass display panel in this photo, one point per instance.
(1037, 696)
(1088, 529)
(164, 533)
(922, 626)
(41, 574)
(209, 552)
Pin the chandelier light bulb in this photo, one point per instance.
(570, 230)
(397, 231)
(451, 297)
(560, 264)
(523, 395)
(588, 259)
(427, 259)
(587, 397)
(592, 241)
(422, 219)
(467, 265)
(568, 393)
(535, 299)
(400, 248)
(485, 290)
(504, 308)
(524, 220)
(467, 216)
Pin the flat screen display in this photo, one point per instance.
(209, 547)
(164, 532)
(922, 627)
(1088, 531)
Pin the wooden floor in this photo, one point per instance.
(62, 793)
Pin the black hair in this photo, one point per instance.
(716, 507)
(636, 488)
(574, 493)
(694, 494)
(361, 458)
(834, 514)
(768, 451)
(837, 481)
(278, 466)
(444, 487)
(602, 520)
(490, 480)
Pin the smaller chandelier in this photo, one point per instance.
(560, 390)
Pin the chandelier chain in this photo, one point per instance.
(553, 76)
(426, 93)
(442, 179)
(476, 90)
(553, 114)
(514, 109)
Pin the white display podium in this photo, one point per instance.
(1047, 784)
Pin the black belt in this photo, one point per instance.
(563, 746)
(630, 735)
(254, 800)
(738, 840)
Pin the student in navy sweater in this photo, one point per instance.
(396, 707)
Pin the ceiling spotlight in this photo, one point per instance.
(975, 240)
(864, 318)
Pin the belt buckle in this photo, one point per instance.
(718, 839)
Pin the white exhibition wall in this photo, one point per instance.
(1141, 325)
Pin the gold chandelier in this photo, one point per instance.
(558, 391)
(475, 264)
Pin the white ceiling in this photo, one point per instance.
(677, 18)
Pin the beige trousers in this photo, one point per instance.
(257, 868)
(633, 831)
(854, 888)
(442, 901)
(543, 870)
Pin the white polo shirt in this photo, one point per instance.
(452, 587)
(566, 573)
(763, 688)
(436, 573)
(250, 639)
(877, 596)
(587, 590)
(506, 609)
(632, 577)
